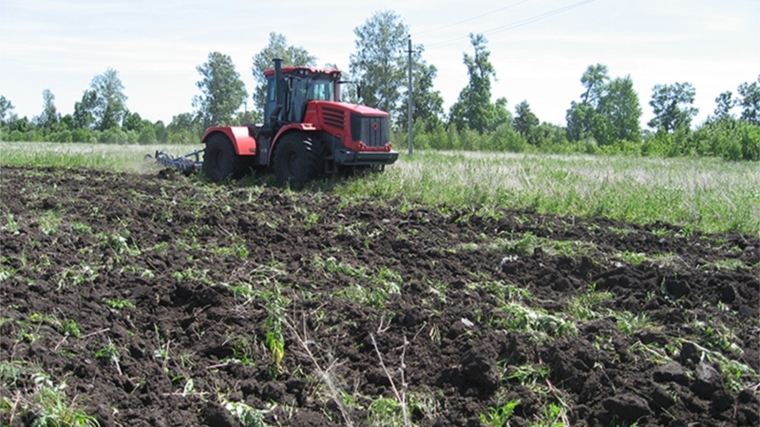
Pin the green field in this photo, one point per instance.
(704, 194)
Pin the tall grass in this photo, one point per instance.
(698, 193)
(705, 194)
(103, 156)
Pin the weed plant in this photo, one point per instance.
(499, 416)
(41, 402)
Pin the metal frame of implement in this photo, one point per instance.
(185, 163)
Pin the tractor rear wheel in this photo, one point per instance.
(220, 161)
(298, 158)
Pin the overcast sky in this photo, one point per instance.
(539, 48)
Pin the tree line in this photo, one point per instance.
(604, 119)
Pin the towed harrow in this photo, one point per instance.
(188, 164)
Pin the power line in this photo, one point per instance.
(515, 24)
(473, 18)
(539, 17)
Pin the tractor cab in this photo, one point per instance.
(290, 89)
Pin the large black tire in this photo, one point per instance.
(298, 158)
(220, 161)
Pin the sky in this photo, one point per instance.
(539, 48)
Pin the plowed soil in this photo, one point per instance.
(157, 299)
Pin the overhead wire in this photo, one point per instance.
(513, 25)
(472, 19)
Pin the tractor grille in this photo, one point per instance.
(333, 117)
(372, 131)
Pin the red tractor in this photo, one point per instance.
(307, 132)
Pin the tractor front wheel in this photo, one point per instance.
(297, 159)
(220, 161)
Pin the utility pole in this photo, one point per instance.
(409, 106)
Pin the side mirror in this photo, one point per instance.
(358, 87)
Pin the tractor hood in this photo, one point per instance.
(361, 109)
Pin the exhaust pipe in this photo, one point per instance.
(278, 88)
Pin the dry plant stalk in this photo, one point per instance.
(400, 396)
(303, 341)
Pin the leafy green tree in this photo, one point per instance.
(110, 102)
(525, 122)
(184, 129)
(145, 130)
(146, 133)
(183, 122)
(83, 110)
(78, 133)
(67, 122)
(750, 102)
(132, 121)
(620, 108)
(427, 103)
(378, 62)
(724, 104)
(247, 116)
(672, 105)
(474, 109)
(583, 120)
(159, 128)
(609, 110)
(49, 116)
(222, 90)
(551, 136)
(595, 81)
(277, 48)
(579, 117)
(6, 110)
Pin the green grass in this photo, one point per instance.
(705, 194)
(102, 156)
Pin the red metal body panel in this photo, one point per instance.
(314, 114)
(361, 109)
(244, 143)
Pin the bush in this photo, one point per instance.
(728, 138)
(668, 144)
(82, 135)
(628, 148)
(113, 135)
(505, 138)
(61, 136)
(183, 137)
(29, 135)
(453, 140)
(749, 141)
(13, 136)
(162, 134)
(147, 135)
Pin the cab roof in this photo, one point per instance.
(304, 71)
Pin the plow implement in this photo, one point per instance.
(188, 164)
